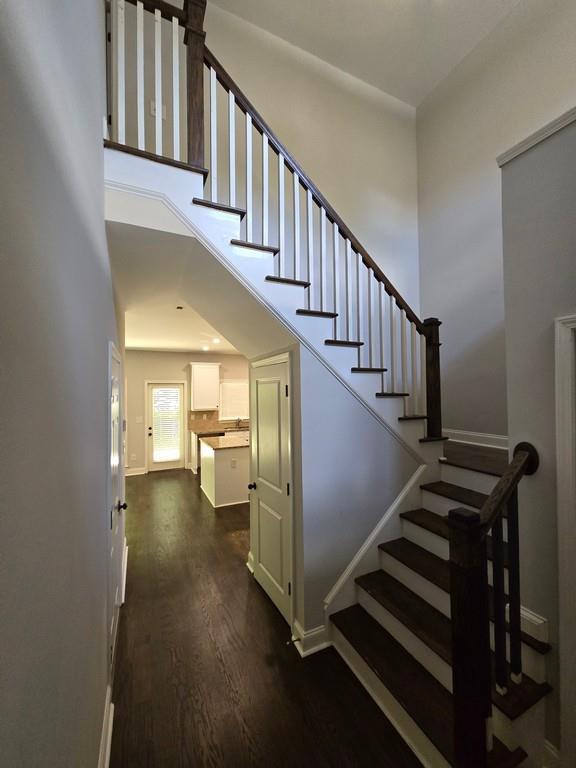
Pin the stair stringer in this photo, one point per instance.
(175, 188)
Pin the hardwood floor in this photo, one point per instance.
(205, 673)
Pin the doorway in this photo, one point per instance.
(271, 480)
(165, 425)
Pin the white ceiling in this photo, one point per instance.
(403, 47)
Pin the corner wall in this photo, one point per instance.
(517, 80)
(56, 319)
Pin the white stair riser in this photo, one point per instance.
(527, 731)
(468, 478)
(416, 739)
(533, 663)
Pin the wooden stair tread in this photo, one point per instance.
(359, 369)
(219, 207)
(437, 571)
(343, 343)
(412, 418)
(427, 702)
(435, 630)
(457, 493)
(480, 458)
(109, 144)
(438, 525)
(392, 394)
(256, 247)
(433, 439)
(287, 281)
(316, 313)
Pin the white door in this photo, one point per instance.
(115, 499)
(270, 500)
(166, 427)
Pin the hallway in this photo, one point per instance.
(204, 674)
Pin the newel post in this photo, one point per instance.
(433, 389)
(194, 38)
(471, 673)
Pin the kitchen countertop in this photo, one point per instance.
(207, 426)
(227, 441)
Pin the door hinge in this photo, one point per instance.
(287, 489)
(109, 119)
(286, 390)
(289, 588)
(109, 37)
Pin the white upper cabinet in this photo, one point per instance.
(205, 386)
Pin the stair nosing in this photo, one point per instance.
(287, 281)
(219, 206)
(343, 343)
(360, 369)
(316, 313)
(255, 246)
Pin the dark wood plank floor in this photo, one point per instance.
(205, 674)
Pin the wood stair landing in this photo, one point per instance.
(425, 700)
(435, 630)
(479, 458)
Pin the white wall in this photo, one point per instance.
(56, 318)
(518, 79)
(539, 190)
(352, 469)
(356, 143)
(143, 366)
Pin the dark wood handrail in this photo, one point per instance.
(262, 127)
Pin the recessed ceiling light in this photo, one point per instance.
(179, 307)
(215, 341)
(205, 348)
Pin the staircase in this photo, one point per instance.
(435, 633)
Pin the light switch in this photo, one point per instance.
(234, 463)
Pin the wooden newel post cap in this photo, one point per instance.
(432, 321)
(533, 460)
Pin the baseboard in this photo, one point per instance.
(107, 725)
(133, 471)
(477, 438)
(124, 571)
(551, 756)
(311, 641)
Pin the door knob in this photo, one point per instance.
(251, 486)
(122, 506)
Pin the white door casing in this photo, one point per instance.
(115, 512)
(165, 425)
(271, 472)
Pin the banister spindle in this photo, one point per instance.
(336, 276)
(370, 339)
(358, 302)
(381, 320)
(140, 76)
(265, 191)
(413, 400)
(281, 217)
(422, 383)
(348, 274)
(392, 373)
(232, 147)
(213, 136)
(249, 214)
(296, 192)
(310, 248)
(403, 351)
(514, 588)
(158, 81)
(501, 674)
(175, 88)
(323, 265)
(433, 393)
(119, 76)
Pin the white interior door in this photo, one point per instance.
(115, 499)
(166, 426)
(270, 500)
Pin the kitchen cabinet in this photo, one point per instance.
(205, 386)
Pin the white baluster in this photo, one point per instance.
(392, 377)
(348, 273)
(310, 249)
(414, 364)
(323, 265)
(265, 191)
(296, 180)
(369, 275)
(404, 351)
(249, 218)
(158, 79)
(281, 217)
(213, 136)
(423, 406)
(232, 146)
(336, 277)
(381, 318)
(119, 81)
(358, 304)
(140, 75)
(175, 88)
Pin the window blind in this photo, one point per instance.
(166, 423)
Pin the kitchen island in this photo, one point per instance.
(225, 468)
